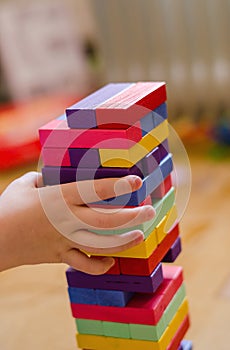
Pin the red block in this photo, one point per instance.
(178, 337)
(163, 188)
(135, 266)
(130, 105)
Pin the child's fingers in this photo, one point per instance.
(92, 265)
(109, 219)
(105, 244)
(31, 179)
(83, 192)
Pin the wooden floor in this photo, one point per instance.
(34, 309)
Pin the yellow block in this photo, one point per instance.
(166, 223)
(97, 342)
(125, 158)
(143, 250)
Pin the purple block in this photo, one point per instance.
(82, 115)
(57, 175)
(164, 148)
(61, 175)
(84, 157)
(152, 160)
(129, 283)
(173, 252)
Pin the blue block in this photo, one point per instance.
(147, 123)
(150, 183)
(186, 345)
(159, 114)
(153, 119)
(113, 297)
(82, 296)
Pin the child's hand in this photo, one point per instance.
(52, 224)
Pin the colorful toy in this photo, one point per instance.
(140, 302)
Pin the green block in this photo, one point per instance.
(89, 326)
(116, 329)
(175, 303)
(162, 207)
(147, 332)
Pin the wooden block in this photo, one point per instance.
(143, 284)
(164, 148)
(116, 329)
(121, 330)
(59, 175)
(153, 118)
(57, 134)
(82, 114)
(56, 157)
(149, 184)
(99, 297)
(144, 249)
(174, 325)
(173, 252)
(84, 158)
(53, 175)
(163, 188)
(131, 104)
(160, 114)
(89, 326)
(148, 332)
(141, 250)
(104, 343)
(142, 308)
(166, 223)
(136, 266)
(117, 298)
(180, 333)
(125, 158)
(174, 304)
(154, 333)
(186, 345)
(89, 158)
(82, 296)
(146, 201)
(115, 269)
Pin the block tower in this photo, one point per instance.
(140, 303)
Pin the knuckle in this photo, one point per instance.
(102, 191)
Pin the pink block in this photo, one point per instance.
(56, 157)
(57, 134)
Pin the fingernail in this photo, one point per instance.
(109, 261)
(135, 181)
(149, 212)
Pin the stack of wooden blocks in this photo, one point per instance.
(140, 302)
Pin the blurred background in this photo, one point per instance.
(53, 53)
